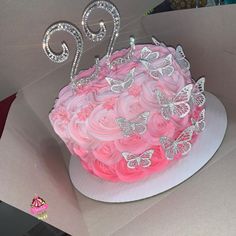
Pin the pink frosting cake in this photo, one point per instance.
(141, 112)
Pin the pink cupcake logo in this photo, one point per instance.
(39, 207)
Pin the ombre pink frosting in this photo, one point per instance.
(85, 119)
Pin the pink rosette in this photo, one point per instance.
(59, 118)
(79, 151)
(102, 125)
(158, 127)
(87, 165)
(106, 153)
(117, 54)
(148, 99)
(181, 124)
(129, 106)
(104, 171)
(135, 90)
(105, 95)
(134, 144)
(173, 83)
(79, 103)
(78, 133)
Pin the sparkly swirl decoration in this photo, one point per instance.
(127, 58)
(95, 37)
(85, 80)
(62, 57)
(74, 31)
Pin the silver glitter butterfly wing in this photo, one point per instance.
(180, 58)
(197, 96)
(182, 142)
(147, 58)
(148, 55)
(145, 158)
(141, 123)
(126, 126)
(163, 67)
(169, 148)
(157, 43)
(180, 145)
(177, 106)
(118, 86)
(180, 102)
(166, 110)
(200, 124)
(167, 71)
(132, 160)
(138, 126)
(155, 73)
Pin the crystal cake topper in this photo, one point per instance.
(95, 37)
(58, 58)
(75, 32)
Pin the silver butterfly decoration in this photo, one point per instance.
(164, 67)
(178, 105)
(180, 145)
(197, 96)
(157, 43)
(118, 86)
(148, 57)
(199, 124)
(131, 127)
(128, 57)
(180, 58)
(143, 160)
(161, 68)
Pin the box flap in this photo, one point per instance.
(31, 164)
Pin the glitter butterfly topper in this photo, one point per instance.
(181, 145)
(178, 105)
(143, 160)
(138, 126)
(75, 32)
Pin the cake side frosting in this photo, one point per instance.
(135, 118)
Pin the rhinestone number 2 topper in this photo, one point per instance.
(75, 32)
(95, 37)
(59, 58)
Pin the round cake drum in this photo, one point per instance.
(203, 150)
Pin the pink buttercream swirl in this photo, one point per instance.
(86, 118)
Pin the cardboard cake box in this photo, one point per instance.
(34, 160)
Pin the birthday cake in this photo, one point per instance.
(135, 115)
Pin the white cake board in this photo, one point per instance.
(202, 151)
